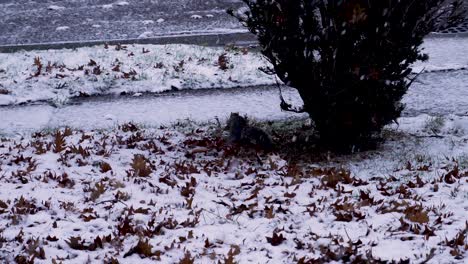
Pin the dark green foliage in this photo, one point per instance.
(349, 59)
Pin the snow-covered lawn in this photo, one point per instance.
(58, 75)
(181, 193)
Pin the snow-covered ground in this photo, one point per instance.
(174, 189)
(151, 111)
(444, 53)
(58, 75)
(437, 93)
(182, 193)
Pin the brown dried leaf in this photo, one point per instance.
(140, 166)
(143, 249)
(416, 214)
(105, 167)
(276, 239)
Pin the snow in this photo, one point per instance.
(122, 3)
(176, 183)
(218, 201)
(62, 28)
(199, 70)
(110, 117)
(392, 249)
(262, 103)
(439, 93)
(55, 7)
(146, 34)
(136, 68)
(444, 53)
(6, 99)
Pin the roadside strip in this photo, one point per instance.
(240, 38)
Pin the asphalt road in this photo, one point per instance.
(52, 21)
(46, 21)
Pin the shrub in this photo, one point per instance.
(350, 60)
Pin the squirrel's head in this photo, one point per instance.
(234, 116)
(236, 120)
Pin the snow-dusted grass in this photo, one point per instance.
(181, 192)
(58, 75)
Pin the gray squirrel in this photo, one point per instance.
(241, 132)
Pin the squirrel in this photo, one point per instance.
(241, 132)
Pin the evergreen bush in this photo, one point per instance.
(350, 60)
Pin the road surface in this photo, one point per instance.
(83, 21)
(46, 21)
